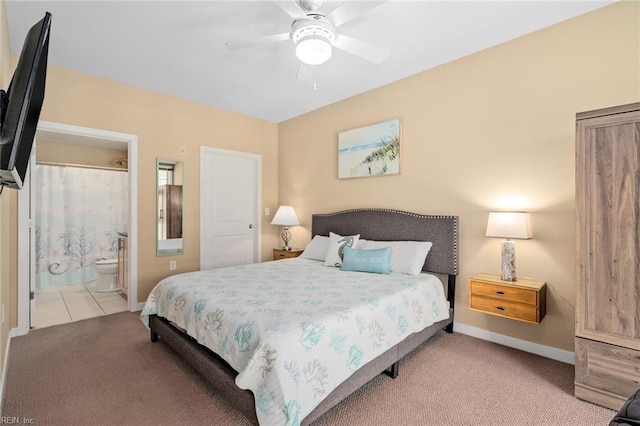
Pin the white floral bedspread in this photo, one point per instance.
(294, 329)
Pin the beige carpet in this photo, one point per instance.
(105, 371)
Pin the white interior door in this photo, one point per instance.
(229, 203)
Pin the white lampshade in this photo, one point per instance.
(509, 225)
(285, 216)
(313, 50)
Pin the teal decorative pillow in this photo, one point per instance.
(376, 261)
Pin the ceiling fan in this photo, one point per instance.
(314, 33)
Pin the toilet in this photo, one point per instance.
(107, 270)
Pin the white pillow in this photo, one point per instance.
(407, 257)
(336, 248)
(317, 248)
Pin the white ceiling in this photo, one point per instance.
(178, 47)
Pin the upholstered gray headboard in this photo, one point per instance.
(395, 225)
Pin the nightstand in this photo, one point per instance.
(286, 254)
(522, 300)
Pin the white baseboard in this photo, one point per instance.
(512, 342)
(139, 306)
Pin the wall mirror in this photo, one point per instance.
(169, 179)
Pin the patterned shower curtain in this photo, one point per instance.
(79, 213)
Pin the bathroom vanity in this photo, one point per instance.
(123, 267)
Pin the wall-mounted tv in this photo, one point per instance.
(20, 105)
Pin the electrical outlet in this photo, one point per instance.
(267, 211)
(172, 265)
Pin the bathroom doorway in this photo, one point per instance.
(81, 214)
(58, 283)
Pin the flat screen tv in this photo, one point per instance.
(20, 105)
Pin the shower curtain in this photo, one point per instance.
(79, 215)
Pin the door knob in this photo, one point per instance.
(250, 226)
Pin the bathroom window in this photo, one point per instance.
(165, 174)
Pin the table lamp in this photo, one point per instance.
(285, 216)
(509, 225)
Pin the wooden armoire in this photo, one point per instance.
(170, 204)
(607, 344)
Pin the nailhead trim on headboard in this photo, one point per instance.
(390, 225)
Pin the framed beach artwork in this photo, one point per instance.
(369, 151)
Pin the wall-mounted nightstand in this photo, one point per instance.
(286, 254)
(522, 300)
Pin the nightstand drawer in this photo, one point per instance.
(285, 254)
(523, 300)
(522, 295)
(504, 308)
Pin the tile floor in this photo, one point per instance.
(68, 304)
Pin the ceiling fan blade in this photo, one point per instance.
(350, 10)
(305, 72)
(368, 51)
(258, 41)
(292, 8)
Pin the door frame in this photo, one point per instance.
(257, 160)
(89, 136)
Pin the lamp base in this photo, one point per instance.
(286, 237)
(508, 261)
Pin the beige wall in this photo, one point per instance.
(491, 131)
(8, 203)
(163, 124)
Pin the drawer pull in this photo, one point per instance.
(501, 293)
(500, 308)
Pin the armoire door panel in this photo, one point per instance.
(608, 217)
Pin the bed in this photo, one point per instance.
(326, 365)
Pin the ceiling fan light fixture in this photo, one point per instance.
(313, 50)
(313, 38)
